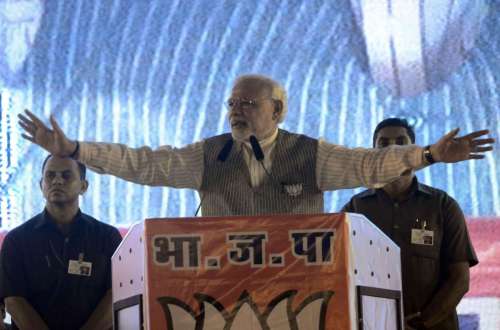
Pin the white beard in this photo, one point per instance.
(241, 134)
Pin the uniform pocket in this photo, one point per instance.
(424, 251)
(424, 268)
(98, 274)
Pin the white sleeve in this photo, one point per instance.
(338, 167)
(165, 166)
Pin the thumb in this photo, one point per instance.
(56, 127)
(451, 134)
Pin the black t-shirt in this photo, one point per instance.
(422, 266)
(34, 265)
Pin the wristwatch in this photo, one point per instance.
(428, 156)
(75, 152)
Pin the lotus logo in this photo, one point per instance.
(293, 190)
(278, 315)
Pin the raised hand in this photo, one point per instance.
(53, 140)
(452, 149)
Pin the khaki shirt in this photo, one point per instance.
(423, 266)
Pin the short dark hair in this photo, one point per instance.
(81, 168)
(394, 122)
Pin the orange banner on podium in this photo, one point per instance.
(247, 273)
(290, 272)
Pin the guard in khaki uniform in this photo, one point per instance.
(429, 227)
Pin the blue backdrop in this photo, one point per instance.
(157, 72)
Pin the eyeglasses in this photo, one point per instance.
(245, 104)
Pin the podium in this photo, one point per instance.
(302, 272)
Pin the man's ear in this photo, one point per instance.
(40, 183)
(278, 108)
(85, 185)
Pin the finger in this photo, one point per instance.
(24, 119)
(55, 125)
(482, 149)
(28, 128)
(27, 137)
(450, 135)
(34, 118)
(478, 142)
(475, 134)
(476, 156)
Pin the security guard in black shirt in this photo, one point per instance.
(56, 267)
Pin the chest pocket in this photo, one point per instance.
(424, 262)
(431, 251)
(425, 258)
(99, 275)
(425, 251)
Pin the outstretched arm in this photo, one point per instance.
(165, 166)
(339, 167)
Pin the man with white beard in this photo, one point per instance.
(257, 168)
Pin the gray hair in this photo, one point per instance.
(278, 93)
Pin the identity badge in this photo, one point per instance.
(422, 237)
(80, 267)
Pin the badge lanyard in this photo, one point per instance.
(55, 254)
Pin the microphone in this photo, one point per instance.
(257, 150)
(221, 157)
(225, 151)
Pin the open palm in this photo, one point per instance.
(53, 140)
(452, 149)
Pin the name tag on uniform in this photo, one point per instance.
(422, 237)
(78, 267)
